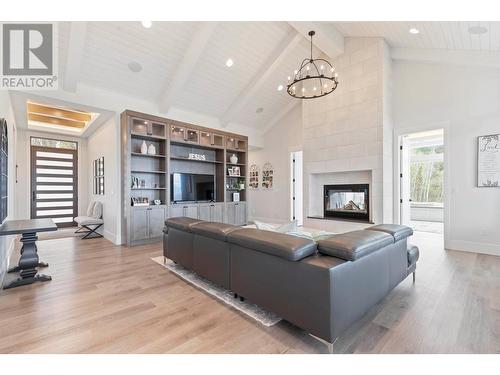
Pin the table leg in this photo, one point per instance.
(17, 268)
(28, 263)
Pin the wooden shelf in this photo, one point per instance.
(195, 160)
(235, 176)
(148, 137)
(146, 155)
(234, 150)
(195, 145)
(154, 172)
(147, 188)
(240, 164)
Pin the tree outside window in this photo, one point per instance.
(427, 171)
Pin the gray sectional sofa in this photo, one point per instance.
(321, 287)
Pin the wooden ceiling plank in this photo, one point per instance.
(59, 112)
(55, 121)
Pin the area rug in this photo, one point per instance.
(264, 317)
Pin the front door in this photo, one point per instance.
(54, 184)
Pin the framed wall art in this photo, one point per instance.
(267, 176)
(254, 177)
(99, 176)
(488, 160)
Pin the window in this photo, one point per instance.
(54, 143)
(427, 171)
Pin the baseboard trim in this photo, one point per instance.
(473, 247)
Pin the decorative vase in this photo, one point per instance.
(144, 148)
(151, 149)
(242, 186)
(233, 159)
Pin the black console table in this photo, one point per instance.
(29, 261)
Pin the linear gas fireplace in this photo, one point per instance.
(347, 201)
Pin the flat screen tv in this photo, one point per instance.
(187, 187)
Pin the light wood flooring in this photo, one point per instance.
(113, 299)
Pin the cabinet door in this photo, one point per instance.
(230, 216)
(139, 223)
(156, 221)
(191, 211)
(192, 136)
(176, 210)
(241, 213)
(205, 212)
(217, 212)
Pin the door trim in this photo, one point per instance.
(445, 125)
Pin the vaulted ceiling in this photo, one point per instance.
(183, 64)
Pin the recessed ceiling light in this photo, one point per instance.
(414, 30)
(229, 63)
(259, 110)
(477, 30)
(134, 66)
(280, 87)
(147, 24)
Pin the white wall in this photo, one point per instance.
(7, 243)
(105, 142)
(468, 100)
(285, 137)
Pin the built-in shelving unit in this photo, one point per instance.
(182, 148)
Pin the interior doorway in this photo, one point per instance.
(54, 180)
(296, 192)
(421, 175)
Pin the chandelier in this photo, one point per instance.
(315, 78)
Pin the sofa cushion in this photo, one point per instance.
(182, 223)
(413, 254)
(399, 232)
(218, 231)
(354, 245)
(273, 243)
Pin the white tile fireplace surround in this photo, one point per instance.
(317, 181)
(348, 134)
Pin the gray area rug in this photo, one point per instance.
(253, 311)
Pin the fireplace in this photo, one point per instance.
(347, 202)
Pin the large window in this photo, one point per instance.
(427, 171)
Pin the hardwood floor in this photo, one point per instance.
(112, 299)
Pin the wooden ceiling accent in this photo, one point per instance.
(57, 116)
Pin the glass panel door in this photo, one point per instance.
(54, 184)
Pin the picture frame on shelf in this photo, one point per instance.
(234, 172)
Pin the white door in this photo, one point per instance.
(404, 181)
(296, 185)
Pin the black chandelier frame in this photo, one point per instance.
(299, 76)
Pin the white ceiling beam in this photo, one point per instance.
(186, 66)
(489, 59)
(262, 76)
(281, 114)
(327, 38)
(76, 46)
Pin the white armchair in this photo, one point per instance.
(91, 222)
